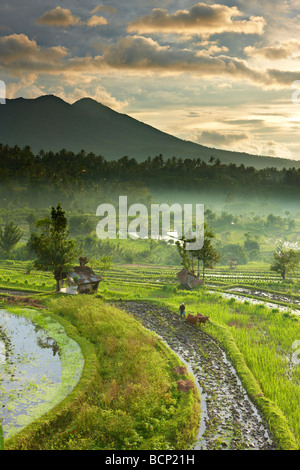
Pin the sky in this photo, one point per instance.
(225, 74)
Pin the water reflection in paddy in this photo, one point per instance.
(32, 376)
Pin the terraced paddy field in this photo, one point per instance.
(253, 334)
(17, 274)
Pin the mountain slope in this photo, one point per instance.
(49, 123)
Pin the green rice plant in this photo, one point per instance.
(1, 438)
(263, 337)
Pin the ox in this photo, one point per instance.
(199, 318)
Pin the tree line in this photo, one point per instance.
(81, 168)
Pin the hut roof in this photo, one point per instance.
(84, 275)
(188, 279)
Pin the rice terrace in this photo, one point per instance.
(231, 384)
(150, 229)
(140, 341)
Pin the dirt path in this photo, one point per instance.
(228, 418)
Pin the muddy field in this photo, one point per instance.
(229, 420)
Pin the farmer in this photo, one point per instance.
(182, 310)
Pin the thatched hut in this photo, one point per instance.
(82, 279)
(188, 279)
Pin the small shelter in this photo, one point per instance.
(82, 279)
(188, 279)
(232, 262)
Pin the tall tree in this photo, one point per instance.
(285, 261)
(54, 250)
(207, 255)
(9, 237)
(187, 260)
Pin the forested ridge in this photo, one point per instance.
(68, 173)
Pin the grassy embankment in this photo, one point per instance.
(128, 397)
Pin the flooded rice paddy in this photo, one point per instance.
(39, 366)
(273, 297)
(271, 304)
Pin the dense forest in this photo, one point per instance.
(29, 179)
(246, 207)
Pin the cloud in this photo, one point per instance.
(134, 54)
(105, 8)
(210, 48)
(141, 53)
(91, 90)
(221, 139)
(67, 88)
(270, 148)
(246, 122)
(282, 78)
(96, 21)
(58, 17)
(278, 52)
(137, 53)
(242, 142)
(201, 20)
(19, 53)
(25, 86)
(63, 17)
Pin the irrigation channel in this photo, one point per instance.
(229, 420)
